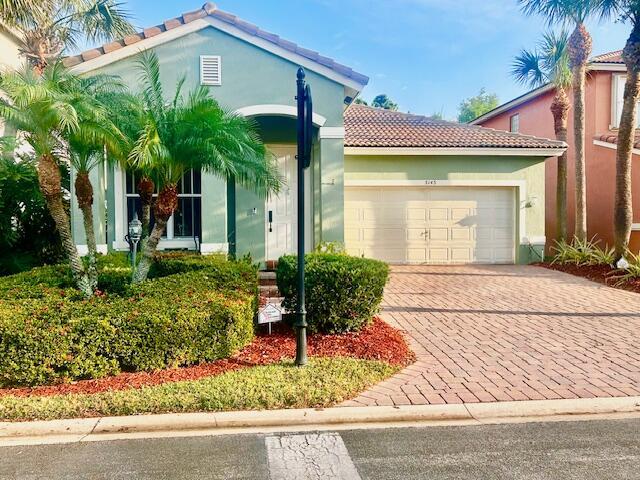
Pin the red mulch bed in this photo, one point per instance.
(597, 273)
(378, 341)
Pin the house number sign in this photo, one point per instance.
(431, 182)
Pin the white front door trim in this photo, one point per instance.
(520, 185)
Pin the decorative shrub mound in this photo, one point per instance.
(200, 311)
(343, 293)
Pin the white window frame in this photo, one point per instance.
(617, 100)
(514, 118)
(168, 240)
(204, 58)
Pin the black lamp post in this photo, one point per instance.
(305, 139)
(135, 234)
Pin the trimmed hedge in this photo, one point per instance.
(343, 293)
(50, 334)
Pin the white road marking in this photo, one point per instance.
(317, 456)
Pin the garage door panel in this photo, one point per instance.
(437, 225)
(416, 214)
(464, 234)
(438, 234)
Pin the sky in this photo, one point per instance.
(427, 55)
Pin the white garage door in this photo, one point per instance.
(437, 225)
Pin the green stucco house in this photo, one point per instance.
(398, 187)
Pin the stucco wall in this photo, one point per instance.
(536, 119)
(250, 76)
(529, 170)
(9, 58)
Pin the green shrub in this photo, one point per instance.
(49, 333)
(343, 293)
(582, 253)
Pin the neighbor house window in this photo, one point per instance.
(186, 221)
(617, 101)
(514, 123)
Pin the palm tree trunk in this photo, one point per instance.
(146, 187)
(84, 194)
(560, 111)
(623, 206)
(149, 250)
(165, 205)
(51, 186)
(580, 46)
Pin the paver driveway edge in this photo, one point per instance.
(68, 431)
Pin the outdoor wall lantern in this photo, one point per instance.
(135, 234)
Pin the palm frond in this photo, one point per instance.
(99, 20)
(149, 76)
(527, 69)
(562, 12)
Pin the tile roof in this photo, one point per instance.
(373, 127)
(612, 138)
(611, 57)
(211, 10)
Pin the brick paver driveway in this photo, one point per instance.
(500, 333)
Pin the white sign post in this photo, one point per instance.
(269, 314)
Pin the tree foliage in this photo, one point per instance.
(473, 107)
(50, 28)
(380, 101)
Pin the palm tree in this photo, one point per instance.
(549, 63)
(48, 109)
(88, 149)
(574, 13)
(192, 133)
(129, 113)
(628, 11)
(49, 27)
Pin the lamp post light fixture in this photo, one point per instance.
(305, 141)
(135, 234)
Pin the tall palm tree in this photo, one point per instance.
(549, 63)
(627, 11)
(88, 149)
(192, 132)
(50, 27)
(48, 109)
(573, 13)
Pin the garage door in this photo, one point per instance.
(437, 225)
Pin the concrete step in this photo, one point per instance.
(267, 278)
(269, 291)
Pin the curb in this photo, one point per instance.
(91, 429)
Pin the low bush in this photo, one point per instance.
(49, 333)
(343, 293)
(582, 253)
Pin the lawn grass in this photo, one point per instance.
(324, 382)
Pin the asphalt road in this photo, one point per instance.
(566, 451)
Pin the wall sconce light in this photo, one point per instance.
(532, 202)
(253, 212)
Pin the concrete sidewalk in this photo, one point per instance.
(112, 428)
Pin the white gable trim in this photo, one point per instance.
(202, 23)
(499, 152)
(279, 111)
(141, 46)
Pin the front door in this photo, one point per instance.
(281, 209)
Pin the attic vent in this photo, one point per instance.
(210, 70)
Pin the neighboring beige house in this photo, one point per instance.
(10, 56)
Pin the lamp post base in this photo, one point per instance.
(301, 340)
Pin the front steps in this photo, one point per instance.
(268, 287)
